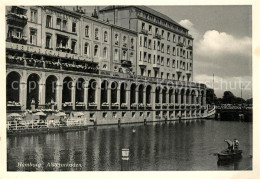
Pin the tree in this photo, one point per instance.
(210, 96)
(228, 98)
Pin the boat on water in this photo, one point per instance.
(229, 155)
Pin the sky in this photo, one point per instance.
(222, 44)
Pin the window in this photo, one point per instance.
(190, 67)
(149, 73)
(173, 76)
(168, 62)
(48, 41)
(64, 25)
(96, 34)
(162, 33)
(158, 59)
(105, 52)
(73, 46)
(145, 54)
(173, 51)
(149, 43)
(143, 26)
(58, 23)
(74, 27)
(177, 51)
(162, 49)
(174, 38)
(116, 54)
(87, 31)
(124, 41)
(86, 49)
(132, 43)
(150, 28)
(168, 76)
(116, 39)
(168, 36)
(162, 61)
(33, 15)
(140, 56)
(173, 63)
(179, 39)
(168, 49)
(96, 51)
(105, 36)
(156, 31)
(33, 37)
(161, 74)
(124, 55)
(154, 44)
(149, 58)
(145, 41)
(105, 66)
(158, 46)
(140, 41)
(48, 21)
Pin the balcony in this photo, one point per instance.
(126, 63)
(157, 36)
(189, 47)
(142, 63)
(15, 39)
(180, 44)
(156, 66)
(64, 49)
(143, 31)
(16, 19)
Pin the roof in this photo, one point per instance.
(146, 9)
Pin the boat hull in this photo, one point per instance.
(230, 155)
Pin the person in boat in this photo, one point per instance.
(230, 145)
(235, 144)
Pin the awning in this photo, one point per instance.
(60, 114)
(39, 114)
(77, 114)
(14, 115)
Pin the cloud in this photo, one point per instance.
(220, 43)
(192, 30)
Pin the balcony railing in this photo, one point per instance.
(143, 31)
(15, 39)
(16, 19)
(180, 44)
(157, 36)
(126, 63)
(190, 47)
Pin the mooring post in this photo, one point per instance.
(145, 121)
(125, 160)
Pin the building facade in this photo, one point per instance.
(60, 59)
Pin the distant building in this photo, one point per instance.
(62, 59)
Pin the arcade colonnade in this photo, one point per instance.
(40, 89)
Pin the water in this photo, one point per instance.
(158, 146)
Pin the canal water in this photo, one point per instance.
(168, 146)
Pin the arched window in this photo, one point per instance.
(124, 41)
(96, 34)
(87, 31)
(105, 66)
(96, 50)
(86, 48)
(132, 43)
(116, 54)
(105, 36)
(105, 52)
(124, 55)
(116, 39)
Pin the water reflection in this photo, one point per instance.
(157, 146)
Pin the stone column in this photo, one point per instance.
(23, 94)
(144, 97)
(73, 95)
(42, 93)
(98, 96)
(136, 96)
(59, 96)
(199, 98)
(179, 98)
(23, 90)
(173, 96)
(86, 96)
(204, 100)
(109, 97)
(127, 97)
(118, 94)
